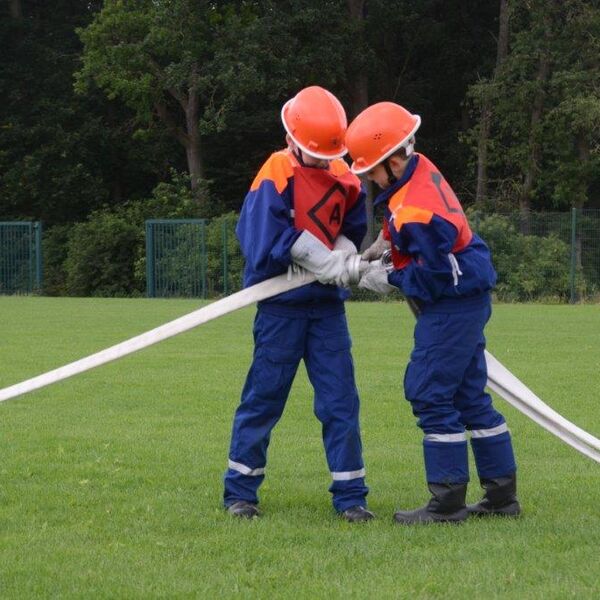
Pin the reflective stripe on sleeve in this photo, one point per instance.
(446, 437)
(347, 475)
(492, 431)
(244, 470)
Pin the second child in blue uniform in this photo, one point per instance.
(445, 270)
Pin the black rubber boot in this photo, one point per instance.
(356, 514)
(243, 509)
(447, 505)
(500, 498)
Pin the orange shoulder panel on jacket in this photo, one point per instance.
(338, 167)
(278, 169)
(410, 214)
(402, 214)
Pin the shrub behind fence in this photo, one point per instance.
(543, 255)
(549, 256)
(192, 258)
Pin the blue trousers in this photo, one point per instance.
(445, 383)
(283, 336)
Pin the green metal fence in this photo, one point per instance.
(548, 255)
(544, 254)
(192, 258)
(585, 244)
(20, 257)
(176, 258)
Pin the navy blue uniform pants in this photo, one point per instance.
(282, 338)
(445, 383)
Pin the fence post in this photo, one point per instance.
(150, 284)
(31, 257)
(204, 257)
(225, 273)
(39, 264)
(573, 298)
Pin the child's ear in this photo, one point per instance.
(396, 162)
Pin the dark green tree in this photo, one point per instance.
(62, 155)
(181, 63)
(545, 128)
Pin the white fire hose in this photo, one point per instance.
(500, 379)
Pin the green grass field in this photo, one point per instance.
(110, 482)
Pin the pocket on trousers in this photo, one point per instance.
(335, 357)
(273, 369)
(337, 343)
(287, 356)
(416, 375)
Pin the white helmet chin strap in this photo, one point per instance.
(409, 148)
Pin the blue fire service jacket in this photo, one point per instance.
(437, 258)
(286, 198)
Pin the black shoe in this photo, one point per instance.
(483, 509)
(447, 505)
(424, 515)
(500, 498)
(355, 514)
(243, 509)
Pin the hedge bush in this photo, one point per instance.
(529, 267)
(100, 255)
(105, 256)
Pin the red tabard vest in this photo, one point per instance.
(424, 195)
(322, 198)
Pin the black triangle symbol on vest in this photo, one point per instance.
(312, 213)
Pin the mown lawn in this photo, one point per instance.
(110, 482)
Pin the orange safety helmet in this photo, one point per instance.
(316, 121)
(378, 132)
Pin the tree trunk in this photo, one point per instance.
(481, 193)
(535, 150)
(116, 183)
(502, 48)
(359, 89)
(193, 148)
(16, 9)
(583, 153)
(190, 137)
(359, 100)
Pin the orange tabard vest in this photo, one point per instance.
(322, 198)
(424, 195)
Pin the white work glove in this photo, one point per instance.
(377, 248)
(296, 271)
(329, 266)
(343, 244)
(375, 278)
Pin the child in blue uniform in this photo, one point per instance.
(304, 207)
(445, 270)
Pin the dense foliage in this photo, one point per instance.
(109, 104)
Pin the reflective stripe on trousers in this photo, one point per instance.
(244, 470)
(462, 437)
